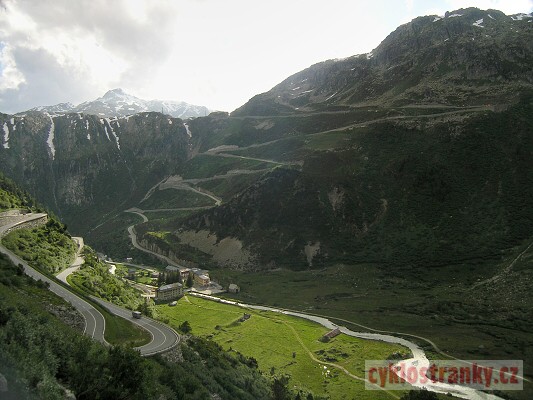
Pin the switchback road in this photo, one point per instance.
(163, 337)
(94, 320)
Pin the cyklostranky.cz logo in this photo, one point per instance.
(475, 374)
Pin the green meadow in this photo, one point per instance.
(285, 345)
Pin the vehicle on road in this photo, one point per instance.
(136, 314)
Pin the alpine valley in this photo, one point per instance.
(392, 189)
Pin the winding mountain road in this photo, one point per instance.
(135, 243)
(94, 320)
(164, 338)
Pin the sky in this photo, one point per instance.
(216, 53)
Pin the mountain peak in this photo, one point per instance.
(117, 103)
(119, 95)
(115, 92)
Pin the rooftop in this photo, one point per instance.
(170, 286)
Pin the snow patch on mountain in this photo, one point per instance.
(478, 23)
(187, 129)
(117, 103)
(50, 140)
(112, 132)
(330, 97)
(519, 17)
(55, 109)
(6, 136)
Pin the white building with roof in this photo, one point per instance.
(169, 292)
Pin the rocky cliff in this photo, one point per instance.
(84, 166)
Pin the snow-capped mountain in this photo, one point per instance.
(117, 103)
(56, 109)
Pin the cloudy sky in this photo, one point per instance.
(216, 53)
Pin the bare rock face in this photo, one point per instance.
(75, 161)
(68, 315)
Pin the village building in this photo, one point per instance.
(233, 288)
(184, 274)
(202, 280)
(331, 334)
(198, 271)
(169, 292)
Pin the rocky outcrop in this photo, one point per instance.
(68, 315)
(164, 250)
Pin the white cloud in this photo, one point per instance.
(10, 76)
(207, 52)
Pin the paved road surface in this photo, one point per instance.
(76, 264)
(135, 243)
(94, 320)
(163, 337)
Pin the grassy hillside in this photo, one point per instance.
(12, 196)
(415, 191)
(287, 346)
(48, 248)
(42, 358)
(94, 278)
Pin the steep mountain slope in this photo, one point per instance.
(117, 103)
(468, 56)
(419, 154)
(45, 355)
(83, 166)
(415, 154)
(393, 193)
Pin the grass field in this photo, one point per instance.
(440, 309)
(286, 345)
(118, 331)
(226, 188)
(163, 216)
